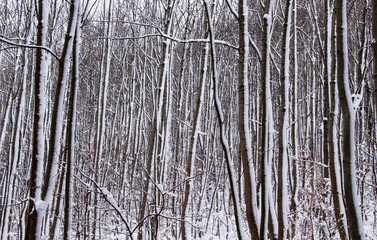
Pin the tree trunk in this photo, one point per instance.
(71, 126)
(348, 127)
(283, 128)
(294, 130)
(332, 107)
(193, 142)
(250, 190)
(154, 139)
(374, 45)
(41, 196)
(36, 208)
(266, 119)
(224, 141)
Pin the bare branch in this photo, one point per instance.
(4, 40)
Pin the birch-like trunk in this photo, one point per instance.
(266, 120)
(355, 222)
(332, 106)
(283, 128)
(37, 208)
(294, 130)
(250, 189)
(71, 126)
(58, 108)
(374, 45)
(41, 195)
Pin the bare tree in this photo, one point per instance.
(250, 190)
(283, 128)
(220, 117)
(348, 125)
(267, 121)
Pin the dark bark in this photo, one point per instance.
(265, 89)
(333, 156)
(243, 111)
(283, 135)
(374, 46)
(31, 222)
(348, 127)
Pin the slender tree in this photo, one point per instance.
(250, 192)
(43, 182)
(37, 208)
(194, 139)
(283, 128)
(355, 221)
(220, 117)
(374, 45)
(332, 107)
(266, 120)
(71, 127)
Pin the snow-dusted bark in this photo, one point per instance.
(154, 140)
(58, 108)
(355, 221)
(331, 106)
(267, 127)
(283, 128)
(102, 106)
(250, 189)
(5, 120)
(14, 153)
(71, 127)
(272, 217)
(335, 177)
(193, 143)
(221, 119)
(294, 130)
(42, 197)
(9, 117)
(326, 87)
(37, 208)
(374, 45)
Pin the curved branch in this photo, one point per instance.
(4, 40)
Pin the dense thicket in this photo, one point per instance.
(168, 119)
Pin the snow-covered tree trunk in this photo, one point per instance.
(193, 142)
(5, 119)
(37, 208)
(58, 108)
(333, 153)
(326, 87)
(294, 130)
(14, 154)
(71, 127)
(101, 107)
(374, 45)
(250, 189)
(355, 221)
(223, 140)
(43, 182)
(155, 140)
(282, 202)
(266, 119)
